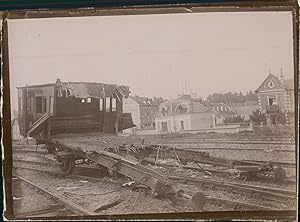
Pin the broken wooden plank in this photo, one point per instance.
(107, 206)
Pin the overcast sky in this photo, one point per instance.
(153, 54)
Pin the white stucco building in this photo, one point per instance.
(183, 114)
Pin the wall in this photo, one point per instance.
(202, 120)
(168, 119)
(221, 129)
(27, 105)
(264, 99)
(192, 121)
(130, 106)
(148, 114)
(186, 118)
(44, 92)
(292, 100)
(173, 123)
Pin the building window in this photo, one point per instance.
(163, 111)
(271, 84)
(272, 101)
(38, 104)
(89, 100)
(100, 104)
(44, 105)
(114, 104)
(107, 104)
(164, 127)
(182, 110)
(31, 105)
(51, 105)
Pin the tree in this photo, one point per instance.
(232, 97)
(258, 117)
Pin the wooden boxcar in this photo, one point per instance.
(68, 107)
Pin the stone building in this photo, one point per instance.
(276, 94)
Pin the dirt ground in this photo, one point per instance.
(94, 194)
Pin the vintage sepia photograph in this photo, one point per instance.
(148, 112)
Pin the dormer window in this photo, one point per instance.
(164, 111)
(182, 109)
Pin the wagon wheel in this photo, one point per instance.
(279, 174)
(68, 165)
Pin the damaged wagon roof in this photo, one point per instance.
(86, 89)
(92, 89)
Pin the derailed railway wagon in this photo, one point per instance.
(68, 107)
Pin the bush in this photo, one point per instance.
(258, 117)
(280, 117)
(234, 119)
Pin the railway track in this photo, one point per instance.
(265, 193)
(283, 164)
(251, 162)
(230, 204)
(250, 142)
(238, 149)
(29, 151)
(69, 205)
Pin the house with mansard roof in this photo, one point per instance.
(183, 114)
(275, 94)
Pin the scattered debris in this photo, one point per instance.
(67, 188)
(269, 150)
(128, 183)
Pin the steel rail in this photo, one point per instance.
(229, 142)
(234, 149)
(28, 151)
(274, 196)
(70, 205)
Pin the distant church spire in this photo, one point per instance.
(281, 76)
(281, 73)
